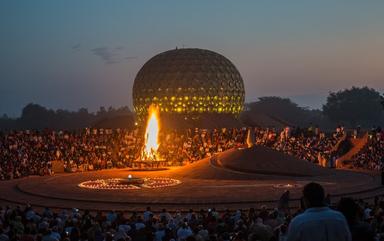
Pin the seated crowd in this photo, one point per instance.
(315, 220)
(24, 153)
(309, 144)
(194, 145)
(371, 156)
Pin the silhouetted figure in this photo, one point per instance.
(318, 222)
(327, 200)
(360, 230)
(382, 170)
(283, 205)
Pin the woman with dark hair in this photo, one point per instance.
(360, 230)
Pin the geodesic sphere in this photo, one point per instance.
(190, 82)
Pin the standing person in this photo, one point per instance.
(360, 230)
(382, 170)
(327, 200)
(283, 205)
(147, 214)
(318, 222)
(184, 232)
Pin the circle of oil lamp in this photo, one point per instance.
(129, 183)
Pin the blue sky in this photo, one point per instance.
(71, 54)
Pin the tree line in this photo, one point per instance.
(37, 117)
(357, 106)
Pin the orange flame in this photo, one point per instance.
(152, 135)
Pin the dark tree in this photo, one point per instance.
(38, 117)
(382, 101)
(356, 106)
(35, 116)
(277, 106)
(281, 110)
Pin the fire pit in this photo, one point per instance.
(150, 159)
(287, 185)
(131, 181)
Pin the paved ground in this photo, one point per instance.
(230, 181)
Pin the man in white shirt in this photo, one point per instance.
(139, 224)
(184, 232)
(165, 215)
(318, 222)
(160, 233)
(147, 214)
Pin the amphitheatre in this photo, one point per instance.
(191, 121)
(193, 85)
(258, 175)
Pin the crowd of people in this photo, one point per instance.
(24, 153)
(309, 144)
(371, 156)
(197, 144)
(314, 220)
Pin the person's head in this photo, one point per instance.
(349, 208)
(313, 195)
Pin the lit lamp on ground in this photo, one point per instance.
(130, 183)
(131, 180)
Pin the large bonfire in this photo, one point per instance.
(151, 143)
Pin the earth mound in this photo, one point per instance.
(264, 160)
(258, 162)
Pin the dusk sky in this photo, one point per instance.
(71, 54)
